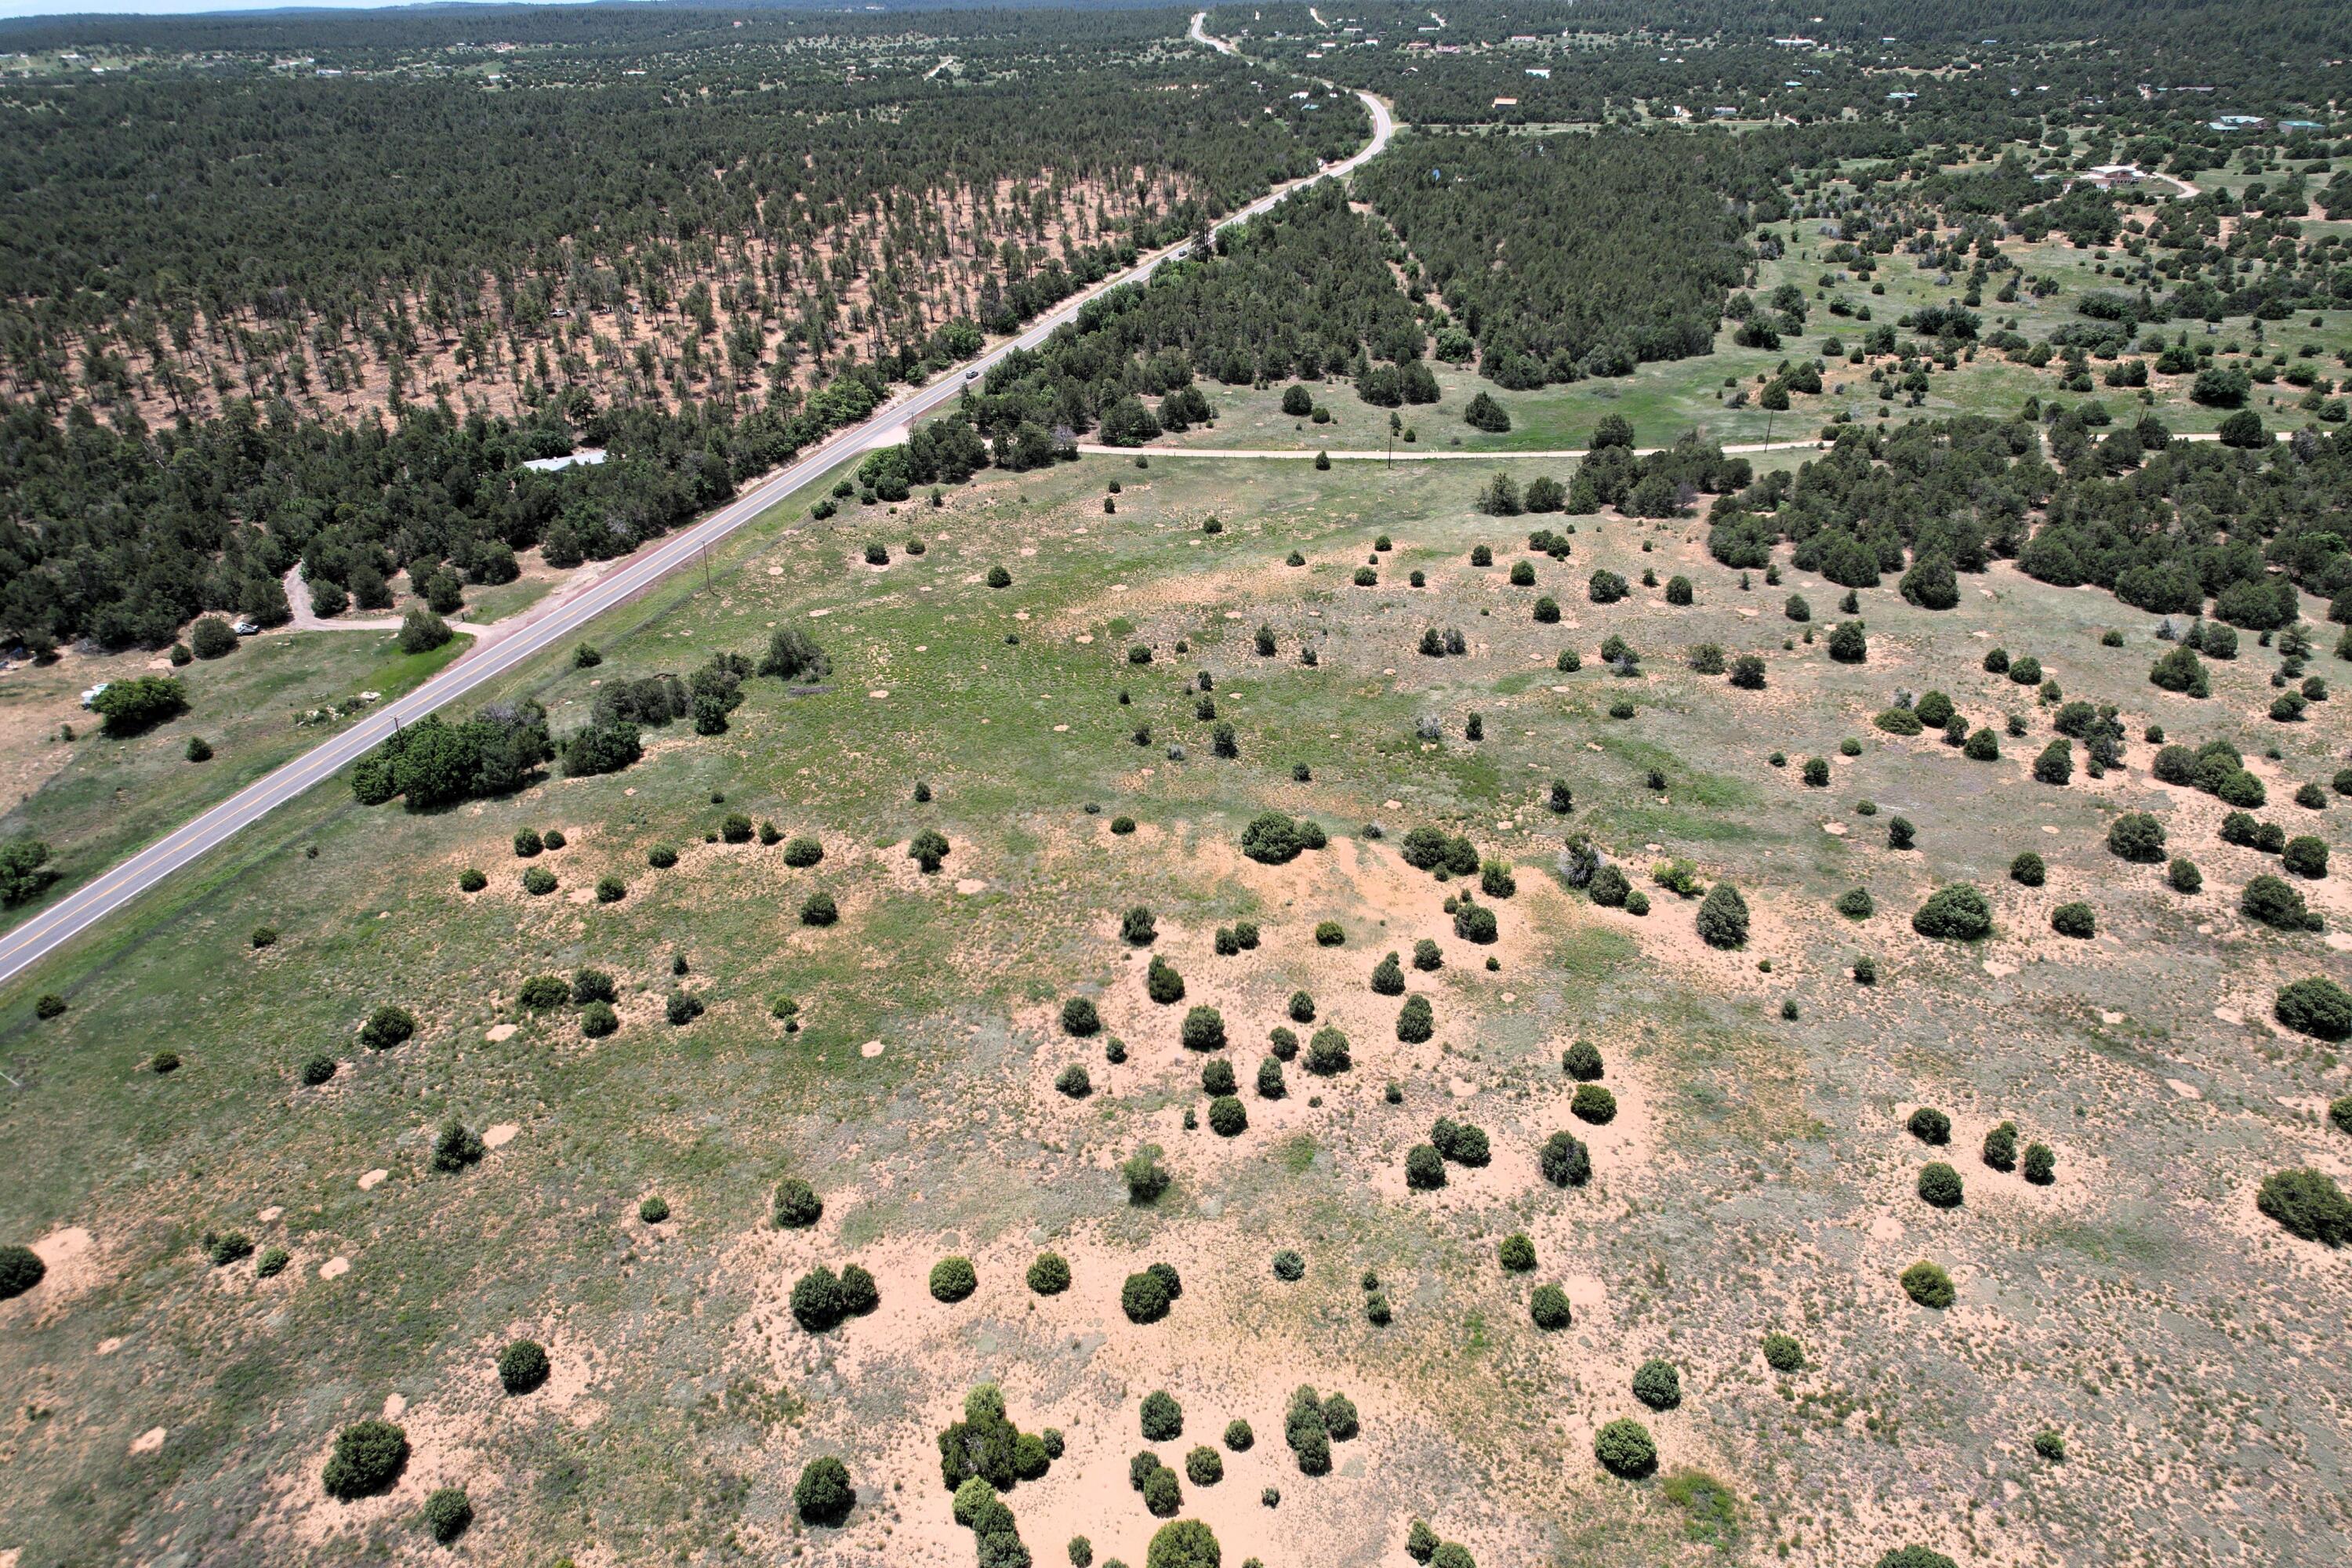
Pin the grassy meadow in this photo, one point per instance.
(1756, 1178)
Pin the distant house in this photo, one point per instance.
(1724, 111)
(1505, 103)
(1543, 71)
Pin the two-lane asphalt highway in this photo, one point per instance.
(49, 929)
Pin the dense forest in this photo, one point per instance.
(137, 533)
(2164, 525)
(1962, 72)
(1571, 255)
(1304, 291)
(692, 213)
(291, 317)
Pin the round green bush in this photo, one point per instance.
(1517, 1253)
(1288, 1265)
(522, 1366)
(2308, 1203)
(1956, 912)
(1914, 1557)
(1327, 1052)
(1074, 1081)
(1928, 1284)
(1162, 1417)
(1162, 982)
(21, 1269)
(1856, 904)
(368, 1456)
(1080, 1018)
(2041, 1166)
(543, 991)
(1658, 1385)
(1270, 1085)
(1425, 1168)
(1227, 1119)
(953, 1280)
(610, 889)
(2184, 877)
(859, 1293)
(803, 852)
(1185, 1543)
(1416, 1021)
(661, 857)
(1782, 1352)
(2076, 919)
(1595, 1104)
(386, 1028)
(824, 1494)
(470, 880)
(816, 1300)
(597, 1019)
(1939, 1185)
(797, 1206)
(819, 909)
(1930, 1125)
(2305, 856)
(1049, 1273)
(448, 1512)
(1204, 1467)
(2316, 1006)
(1565, 1161)
(2001, 1147)
(539, 881)
(1205, 1029)
(2339, 1113)
(318, 1070)
(1625, 1448)
(1723, 917)
(1330, 933)
(2028, 870)
(1580, 1061)
(1144, 1297)
(1549, 1307)
(2136, 836)
(2051, 1445)
(2273, 902)
(653, 1210)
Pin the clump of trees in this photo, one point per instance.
(1274, 838)
(432, 763)
(367, 1456)
(2317, 1006)
(1625, 1448)
(1928, 1284)
(1956, 912)
(2307, 1204)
